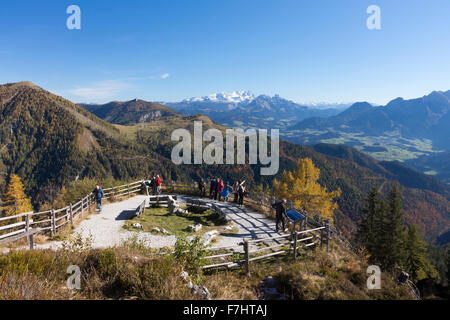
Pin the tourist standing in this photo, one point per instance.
(98, 195)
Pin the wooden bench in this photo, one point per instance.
(140, 210)
(199, 204)
(160, 200)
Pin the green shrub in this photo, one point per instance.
(191, 255)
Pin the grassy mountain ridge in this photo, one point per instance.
(49, 141)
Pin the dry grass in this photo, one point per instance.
(230, 285)
(133, 271)
(116, 273)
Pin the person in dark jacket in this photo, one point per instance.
(280, 210)
(241, 193)
(216, 188)
(235, 191)
(202, 188)
(98, 195)
(212, 188)
(154, 185)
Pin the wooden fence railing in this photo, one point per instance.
(265, 202)
(13, 227)
(258, 249)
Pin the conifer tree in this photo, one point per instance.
(15, 200)
(367, 235)
(301, 187)
(416, 262)
(392, 232)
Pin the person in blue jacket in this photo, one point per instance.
(212, 188)
(225, 193)
(98, 195)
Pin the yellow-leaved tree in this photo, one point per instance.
(15, 200)
(301, 187)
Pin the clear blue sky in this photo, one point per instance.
(169, 50)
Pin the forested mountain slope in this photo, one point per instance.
(49, 141)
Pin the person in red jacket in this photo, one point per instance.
(158, 184)
(220, 186)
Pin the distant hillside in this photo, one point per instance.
(426, 117)
(404, 130)
(129, 112)
(392, 170)
(437, 164)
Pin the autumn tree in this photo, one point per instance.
(302, 188)
(15, 200)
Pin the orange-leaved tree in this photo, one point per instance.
(301, 187)
(15, 200)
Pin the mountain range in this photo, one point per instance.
(244, 109)
(49, 142)
(414, 131)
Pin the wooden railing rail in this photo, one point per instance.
(52, 220)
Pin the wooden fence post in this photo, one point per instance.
(31, 240)
(82, 206)
(27, 222)
(295, 245)
(247, 257)
(71, 215)
(327, 226)
(27, 228)
(53, 223)
(128, 186)
(321, 238)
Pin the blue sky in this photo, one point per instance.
(168, 50)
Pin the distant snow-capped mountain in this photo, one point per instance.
(224, 97)
(246, 97)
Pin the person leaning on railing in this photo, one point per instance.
(158, 184)
(98, 195)
(280, 209)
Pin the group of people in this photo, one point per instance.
(218, 190)
(155, 184)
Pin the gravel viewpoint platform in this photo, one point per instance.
(106, 228)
